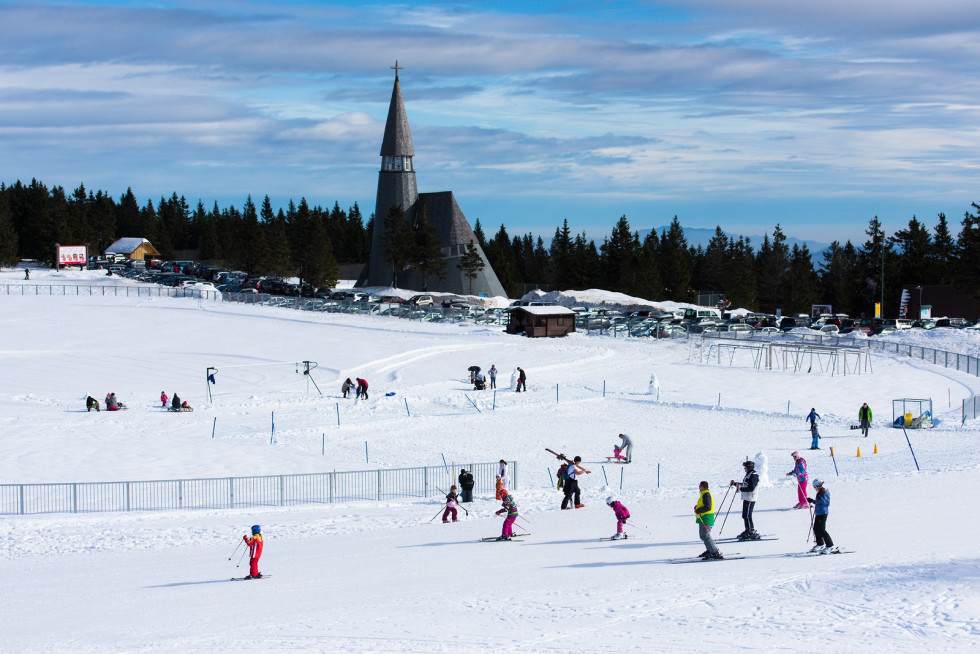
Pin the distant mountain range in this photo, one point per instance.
(701, 236)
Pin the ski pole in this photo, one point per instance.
(727, 491)
(524, 519)
(633, 524)
(437, 514)
(244, 552)
(457, 503)
(726, 513)
(236, 549)
(810, 530)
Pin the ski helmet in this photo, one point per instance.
(610, 499)
(749, 465)
(256, 529)
(795, 455)
(818, 483)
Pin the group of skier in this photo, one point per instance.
(864, 424)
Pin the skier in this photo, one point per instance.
(91, 403)
(451, 499)
(466, 485)
(864, 415)
(749, 487)
(799, 471)
(362, 388)
(254, 552)
(628, 446)
(346, 387)
(704, 512)
(164, 399)
(821, 506)
(493, 376)
(510, 507)
(521, 380)
(813, 416)
(571, 485)
(622, 515)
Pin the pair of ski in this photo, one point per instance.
(735, 556)
(249, 578)
(494, 539)
(623, 537)
(736, 539)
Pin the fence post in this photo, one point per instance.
(282, 490)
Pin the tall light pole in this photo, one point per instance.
(920, 301)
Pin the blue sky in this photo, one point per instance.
(816, 116)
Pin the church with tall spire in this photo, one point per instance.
(397, 187)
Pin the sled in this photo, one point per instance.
(612, 459)
(183, 408)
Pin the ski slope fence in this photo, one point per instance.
(971, 409)
(244, 492)
(962, 362)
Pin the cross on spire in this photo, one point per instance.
(397, 68)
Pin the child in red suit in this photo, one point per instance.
(254, 552)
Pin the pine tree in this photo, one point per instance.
(914, 245)
(8, 235)
(772, 270)
(427, 261)
(942, 254)
(398, 242)
(470, 264)
(968, 251)
(500, 255)
(675, 264)
(560, 257)
(741, 283)
(803, 283)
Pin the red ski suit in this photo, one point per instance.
(255, 553)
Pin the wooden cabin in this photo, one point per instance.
(540, 321)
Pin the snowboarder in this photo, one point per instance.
(749, 487)
(521, 380)
(164, 399)
(628, 446)
(91, 403)
(864, 415)
(493, 376)
(510, 507)
(254, 552)
(704, 512)
(799, 471)
(570, 486)
(362, 388)
(821, 509)
(622, 515)
(346, 387)
(466, 486)
(813, 416)
(451, 499)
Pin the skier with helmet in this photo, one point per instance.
(254, 544)
(622, 515)
(749, 488)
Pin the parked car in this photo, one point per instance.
(421, 300)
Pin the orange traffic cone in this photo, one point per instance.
(859, 452)
(876, 448)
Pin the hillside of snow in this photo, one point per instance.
(382, 577)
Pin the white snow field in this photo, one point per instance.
(380, 577)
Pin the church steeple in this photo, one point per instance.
(396, 147)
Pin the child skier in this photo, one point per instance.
(813, 416)
(451, 500)
(821, 506)
(622, 515)
(799, 471)
(164, 399)
(704, 512)
(254, 552)
(510, 507)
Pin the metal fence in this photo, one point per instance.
(971, 409)
(243, 492)
(106, 291)
(962, 362)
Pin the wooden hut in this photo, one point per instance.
(134, 248)
(541, 321)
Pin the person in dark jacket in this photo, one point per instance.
(521, 380)
(704, 515)
(749, 488)
(821, 509)
(466, 486)
(175, 403)
(91, 403)
(864, 415)
(813, 417)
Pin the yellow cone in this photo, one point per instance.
(876, 448)
(859, 452)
